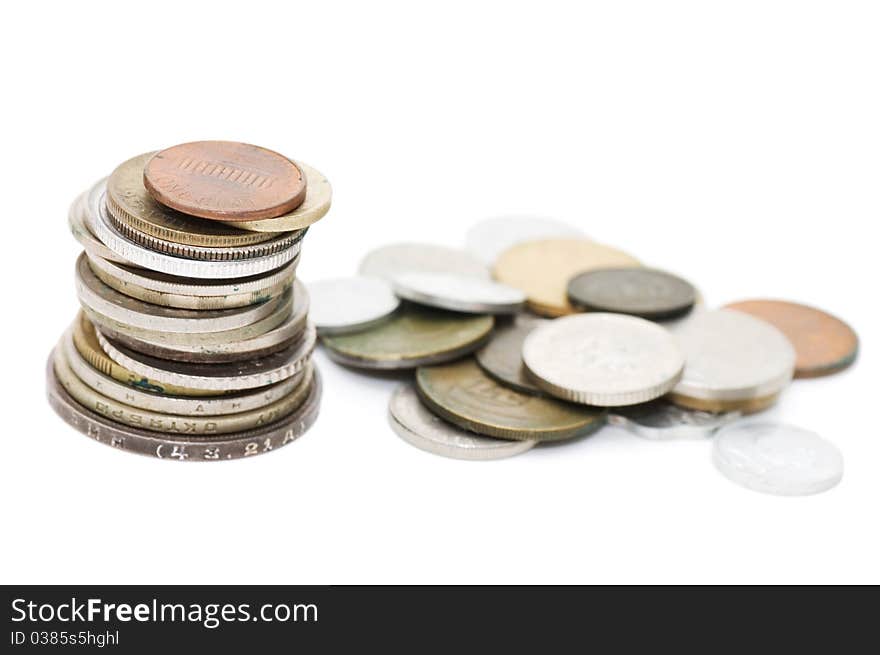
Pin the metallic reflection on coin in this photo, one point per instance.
(778, 459)
(645, 292)
(76, 220)
(390, 261)
(501, 357)
(660, 420)
(463, 394)
(719, 406)
(489, 238)
(460, 293)
(603, 359)
(415, 424)
(350, 304)
(823, 343)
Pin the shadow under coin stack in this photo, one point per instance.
(193, 342)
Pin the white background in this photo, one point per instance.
(736, 143)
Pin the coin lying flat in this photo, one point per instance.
(720, 406)
(645, 292)
(489, 238)
(225, 181)
(350, 304)
(464, 395)
(732, 356)
(823, 343)
(390, 261)
(460, 293)
(661, 420)
(542, 269)
(76, 221)
(412, 337)
(501, 357)
(779, 459)
(603, 359)
(416, 425)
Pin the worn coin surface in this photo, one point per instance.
(542, 269)
(350, 304)
(645, 292)
(416, 425)
(411, 337)
(460, 293)
(76, 221)
(823, 343)
(225, 181)
(392, 260)
(661, 420)
(775, 458)
(501, 357)
(463, 394)
(489, 238)
(603, 359)
(732, 356)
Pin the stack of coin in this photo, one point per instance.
(193, 341)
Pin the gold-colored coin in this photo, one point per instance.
(542, 269)
(129, 202)
(463, 394)
(747, 406)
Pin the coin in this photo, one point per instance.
(182, 448)
(392, 260)
(603, 359)
(501, 357)
(129, 202)
(746, 406)
(645, 292)
(464, 395)
(732, 356)
(350, 304)
(77, 223)
(416, 425)
(823, 343)
(779, 459)
(225, 181)
(661, 420)
(489, 238)
(542, 269)
(413, 336)
(460, 293)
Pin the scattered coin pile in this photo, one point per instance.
(536, 333)
(193, 342)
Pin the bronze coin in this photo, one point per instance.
(823, 343)
(715, 406)
(225, 181)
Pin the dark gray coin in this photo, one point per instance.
(645, 292)
(661, 420)
(501, 358)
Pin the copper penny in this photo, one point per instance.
(225, 181)
(823, 343)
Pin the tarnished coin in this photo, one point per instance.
(661, 420)
(721, 406)
(76, 221)
(823, 343)
(460, 293)
(542, 269)
(350, 304)
(501, 357)
(416, 425)
(463, 394)
(645, 292)
(392, 260)
(732, 356)
(775, 458)
(489, 238)
(412, 337)
(225, 181)
(603, 359)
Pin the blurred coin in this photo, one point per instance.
(489, 238)
(463, 394)
(644, 292)
(823, 343)
(542, 269)
(411, 337)
(661, 420)
(349, 304)
(603, 359)
(415, 424)
(390, 261)
(459, 293)
(501, 357)
(746, 406)
(779, 459)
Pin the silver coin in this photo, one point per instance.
(349, 304)
(501, 357)
(601, 359)
(489, 238)
(76, 221)
(733, 356)
(416, 425)
(661, 420)
(775, 458)
(460, 293)
(390, 261)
